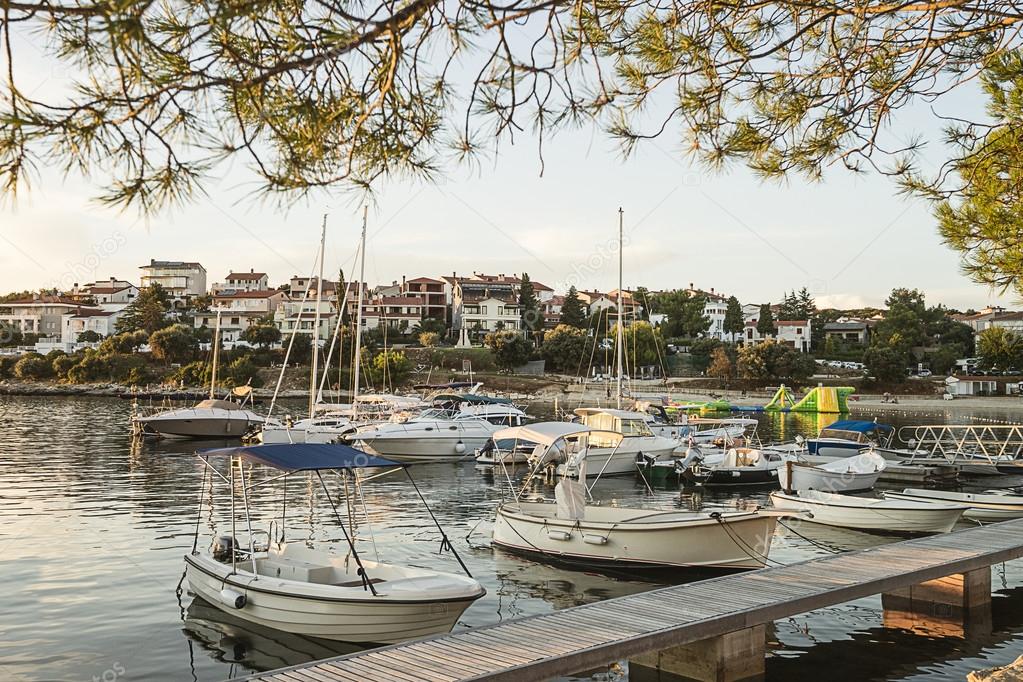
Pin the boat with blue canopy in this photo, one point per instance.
(848, 437)
(333, 592)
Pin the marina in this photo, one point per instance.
(141, 500)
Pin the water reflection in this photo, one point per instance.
(92, 531)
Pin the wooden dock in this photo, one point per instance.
(646, 627)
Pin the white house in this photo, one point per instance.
(292, 314)
(86, 319)
(714, 308)
(183, 280)
(971, 385)
(242, 281)
(795, 333)
(239, 310)
(398, 313)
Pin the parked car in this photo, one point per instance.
(924, 373)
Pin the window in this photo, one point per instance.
(799, 330)
(483, 309)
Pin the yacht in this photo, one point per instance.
(441, 433)
(611, 456)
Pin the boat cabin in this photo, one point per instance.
(629, 424)
(856, 431)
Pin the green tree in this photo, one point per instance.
(772, 360)
(885, 364)
(510, 349)
(430, 325)
(701, 353)
(125, 342)
(390, 368)
(89, 336)
(734, 323)
(904, 324)
(62, 365)
(148, 312)
(644, 345)
(173, 344)
(721, 365)
(566, 349)
(242, 371)
(641, 296)
(999, 347)
(33, 367)
(684, 313)
(429, 339)
(529, 306)
(572, 312)
(262, 335)
(765, 321)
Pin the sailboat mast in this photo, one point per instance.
(316, 322)
(621, 320)
(216, 356)
(358, 314)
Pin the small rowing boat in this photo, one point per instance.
(981, 506)
(872, 514)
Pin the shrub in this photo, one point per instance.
(63, 364)
(429, 339)
(7, 363)
(242, 371)
(33, 366)
(510, 349)
(193, 374)
(173, 344)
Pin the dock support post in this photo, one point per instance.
(733, 657)
(957, 605)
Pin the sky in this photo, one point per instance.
(848, 239)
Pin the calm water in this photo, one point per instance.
(92, 532)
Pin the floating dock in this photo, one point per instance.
(711, 629)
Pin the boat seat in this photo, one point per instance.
(292, 569)
(358, 583)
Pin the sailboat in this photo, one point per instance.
(210, 418)
(325, 423)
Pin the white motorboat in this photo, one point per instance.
(317, 592)
(211, 418)
(618, 536)
(871, 514)
(737, 467)
(988, 506)
(849, 437)
(692, 429)
(505, 451)
(844, 475)
(323, 428)
(563, 445)
(439, 435)
(637, 438)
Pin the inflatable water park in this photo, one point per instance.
(821, 399)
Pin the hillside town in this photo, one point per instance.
(976, 349)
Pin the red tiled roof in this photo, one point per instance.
(790, 323)
(424, 280)
(395, 300)
(91, 312)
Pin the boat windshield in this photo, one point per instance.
(635, 427)
(854, 436)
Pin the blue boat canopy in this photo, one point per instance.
(304, 456)
(859, 426)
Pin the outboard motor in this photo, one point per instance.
(224, 548)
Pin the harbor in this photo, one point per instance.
(127, 513)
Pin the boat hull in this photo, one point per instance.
(232, 424)
(623, 459)
(814, 478)
(418, 449)
(737, 477)
(366, 620)
(978, 510)
(882, 520)
(708, 543)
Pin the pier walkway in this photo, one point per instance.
(711, 629)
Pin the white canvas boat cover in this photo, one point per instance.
(866, 463)
(545, 433)
(570, 496)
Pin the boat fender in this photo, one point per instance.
(235, 600)
(594, 539)
(715, 515)
(460, 447)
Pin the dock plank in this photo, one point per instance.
(604, 632)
